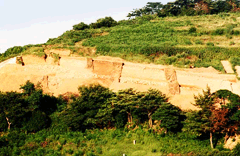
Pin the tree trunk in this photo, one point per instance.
(211, 140)
(150, 120)
(9, 124)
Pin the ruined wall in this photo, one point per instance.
(106, 69)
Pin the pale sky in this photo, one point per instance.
(25, 22)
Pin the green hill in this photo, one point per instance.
(183, 41)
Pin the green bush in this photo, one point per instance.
(80, 26)
(192, 30)
(210, 44)
(103, 22)
(198, 42)
(88, 110)
(37, 121)
(219, 31)
(14, 50)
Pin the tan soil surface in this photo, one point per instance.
(72, 73)
(227, 67)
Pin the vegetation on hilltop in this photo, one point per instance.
(187, 7)
(183, 41)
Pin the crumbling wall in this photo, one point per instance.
(171, 78)
(31, 60)
(106, 69)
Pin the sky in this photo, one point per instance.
(25, 22)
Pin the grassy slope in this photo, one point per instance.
(160, 40)
(113, 143)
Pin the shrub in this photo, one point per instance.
(38, 121)
(80, 26)
(210, 44)
(88, 110)
(170, 117)
(236, 150)
(188, 42)
(231, 43)
(103, 22)
(28, 88)
(192, 30)
(219, 32)
(14, 50)
(198, 42)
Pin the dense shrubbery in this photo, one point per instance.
(80, 26)
(99, 108)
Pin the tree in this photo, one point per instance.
(125, 101)
(150, 9)
(13, 109)
(82, 112)
(80, 26)
(150, 101)
(169, 116)
(218, 114)
(104, 22)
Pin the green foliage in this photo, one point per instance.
(169, 116)
(210, 44)
(219, 32)
(12, 106)
(192, 30)
(104, 22)
(80, 26)
(37, 121)
(83, 110)
(14, 50)
(38, 51)
(198, 42)
(28, 88)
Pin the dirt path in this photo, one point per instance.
(9, 61)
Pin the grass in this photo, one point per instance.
(207, 38)
(112, 143)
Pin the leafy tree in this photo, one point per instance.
(82, 112)
(150, 101)
(28, 88)
(126, 101)
(169, 116)
(80, 26)
(104, 22)
(38, 120)
(199, 121)
(149, 9)
(216, 115)
(13, 109)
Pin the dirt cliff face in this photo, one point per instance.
(71, 72)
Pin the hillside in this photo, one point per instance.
(152, 72)
(184, 41)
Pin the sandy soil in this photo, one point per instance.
(72, 73)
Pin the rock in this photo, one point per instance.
(19, 60)
(174, 88)
(170, 74)
(227, 67)
(238, 70)
(171, 78)
(89, 63)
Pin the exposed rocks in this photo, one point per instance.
(227, 67)
(19, 60)
(238, 70)
(171, 78)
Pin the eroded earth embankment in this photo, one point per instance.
(67, 73)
